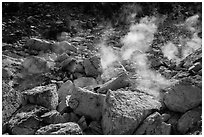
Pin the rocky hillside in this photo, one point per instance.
(101, 68)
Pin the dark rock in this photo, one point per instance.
(189, 120)
(87, 103)
(43, 95)
(27, 120)
(95, 126)
(60, 129)
(91, 68)
(82, 123)
(153, 125)
(182, 96)
(192, 58)
(195, 68)
(123, 111)
(11, 101)
(165, 117)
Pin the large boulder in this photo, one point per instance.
(11, 101)
(69, 128)
(182, 96)
(43, 95)
(123, 111)
(38, 44)
(27, 120)
(87, 103)
(35, 65)
(153, 125)
(189, 120)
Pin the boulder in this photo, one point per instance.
(53, 117)
(27, 120)
(85, 82)
(43, 95)
(87, 103)
(68, 64)
(38, 44)
(11, 101)
(189, 120)
(35, 65)
(182, 96)
(91, 68)
(63, 46)
(123, 111)
(153, 125)
(69, 128)
(121, 81)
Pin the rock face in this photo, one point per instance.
(35, 65)
(189, 120)
(60, 129)
(43, 95)
(153, 125)
(27, 120)
(123, 111)
(11, 101)
(87, 103)
(38, 44)
(182, 97)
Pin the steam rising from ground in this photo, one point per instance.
(135, 45)
(186, 46)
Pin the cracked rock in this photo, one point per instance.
(87, 103)
(43, 95)
(123, 111)
(69, 128)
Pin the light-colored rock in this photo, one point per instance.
(63, 36)
(85, 82)
(11, 101)
(189, 120)
(65, 89)
(38, 44)
(35, 65)
(153, 125)
(69, 128)
(53, 117)
(182, 97)
(63, 92)
(27, 120)
(114, 84)
(43, 95)
(87, 103)
(63, 46)
(123, 111)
